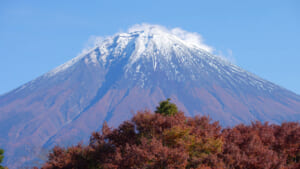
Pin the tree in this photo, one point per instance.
(166, 108)
(169, 139)
(1, 158)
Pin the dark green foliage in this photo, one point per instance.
(166, 108)
(1, 158)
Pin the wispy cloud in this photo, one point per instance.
(228, 55)
(188, 37)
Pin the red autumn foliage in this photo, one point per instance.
(155, 141)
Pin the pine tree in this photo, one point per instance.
(166, 108)
(1, 158)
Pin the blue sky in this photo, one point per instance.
(260, 36)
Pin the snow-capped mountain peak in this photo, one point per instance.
(174, 54)
(132, 71)
(143, 41)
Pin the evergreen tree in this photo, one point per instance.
(1, 158)
(166, 108)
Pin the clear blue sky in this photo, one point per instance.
(37, 36)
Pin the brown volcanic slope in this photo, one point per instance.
(129, 72)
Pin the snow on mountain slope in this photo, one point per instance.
(129, 72)
(181, 58)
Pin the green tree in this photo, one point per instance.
(166, 108)
(1, 158)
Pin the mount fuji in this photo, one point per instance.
(128, 72)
